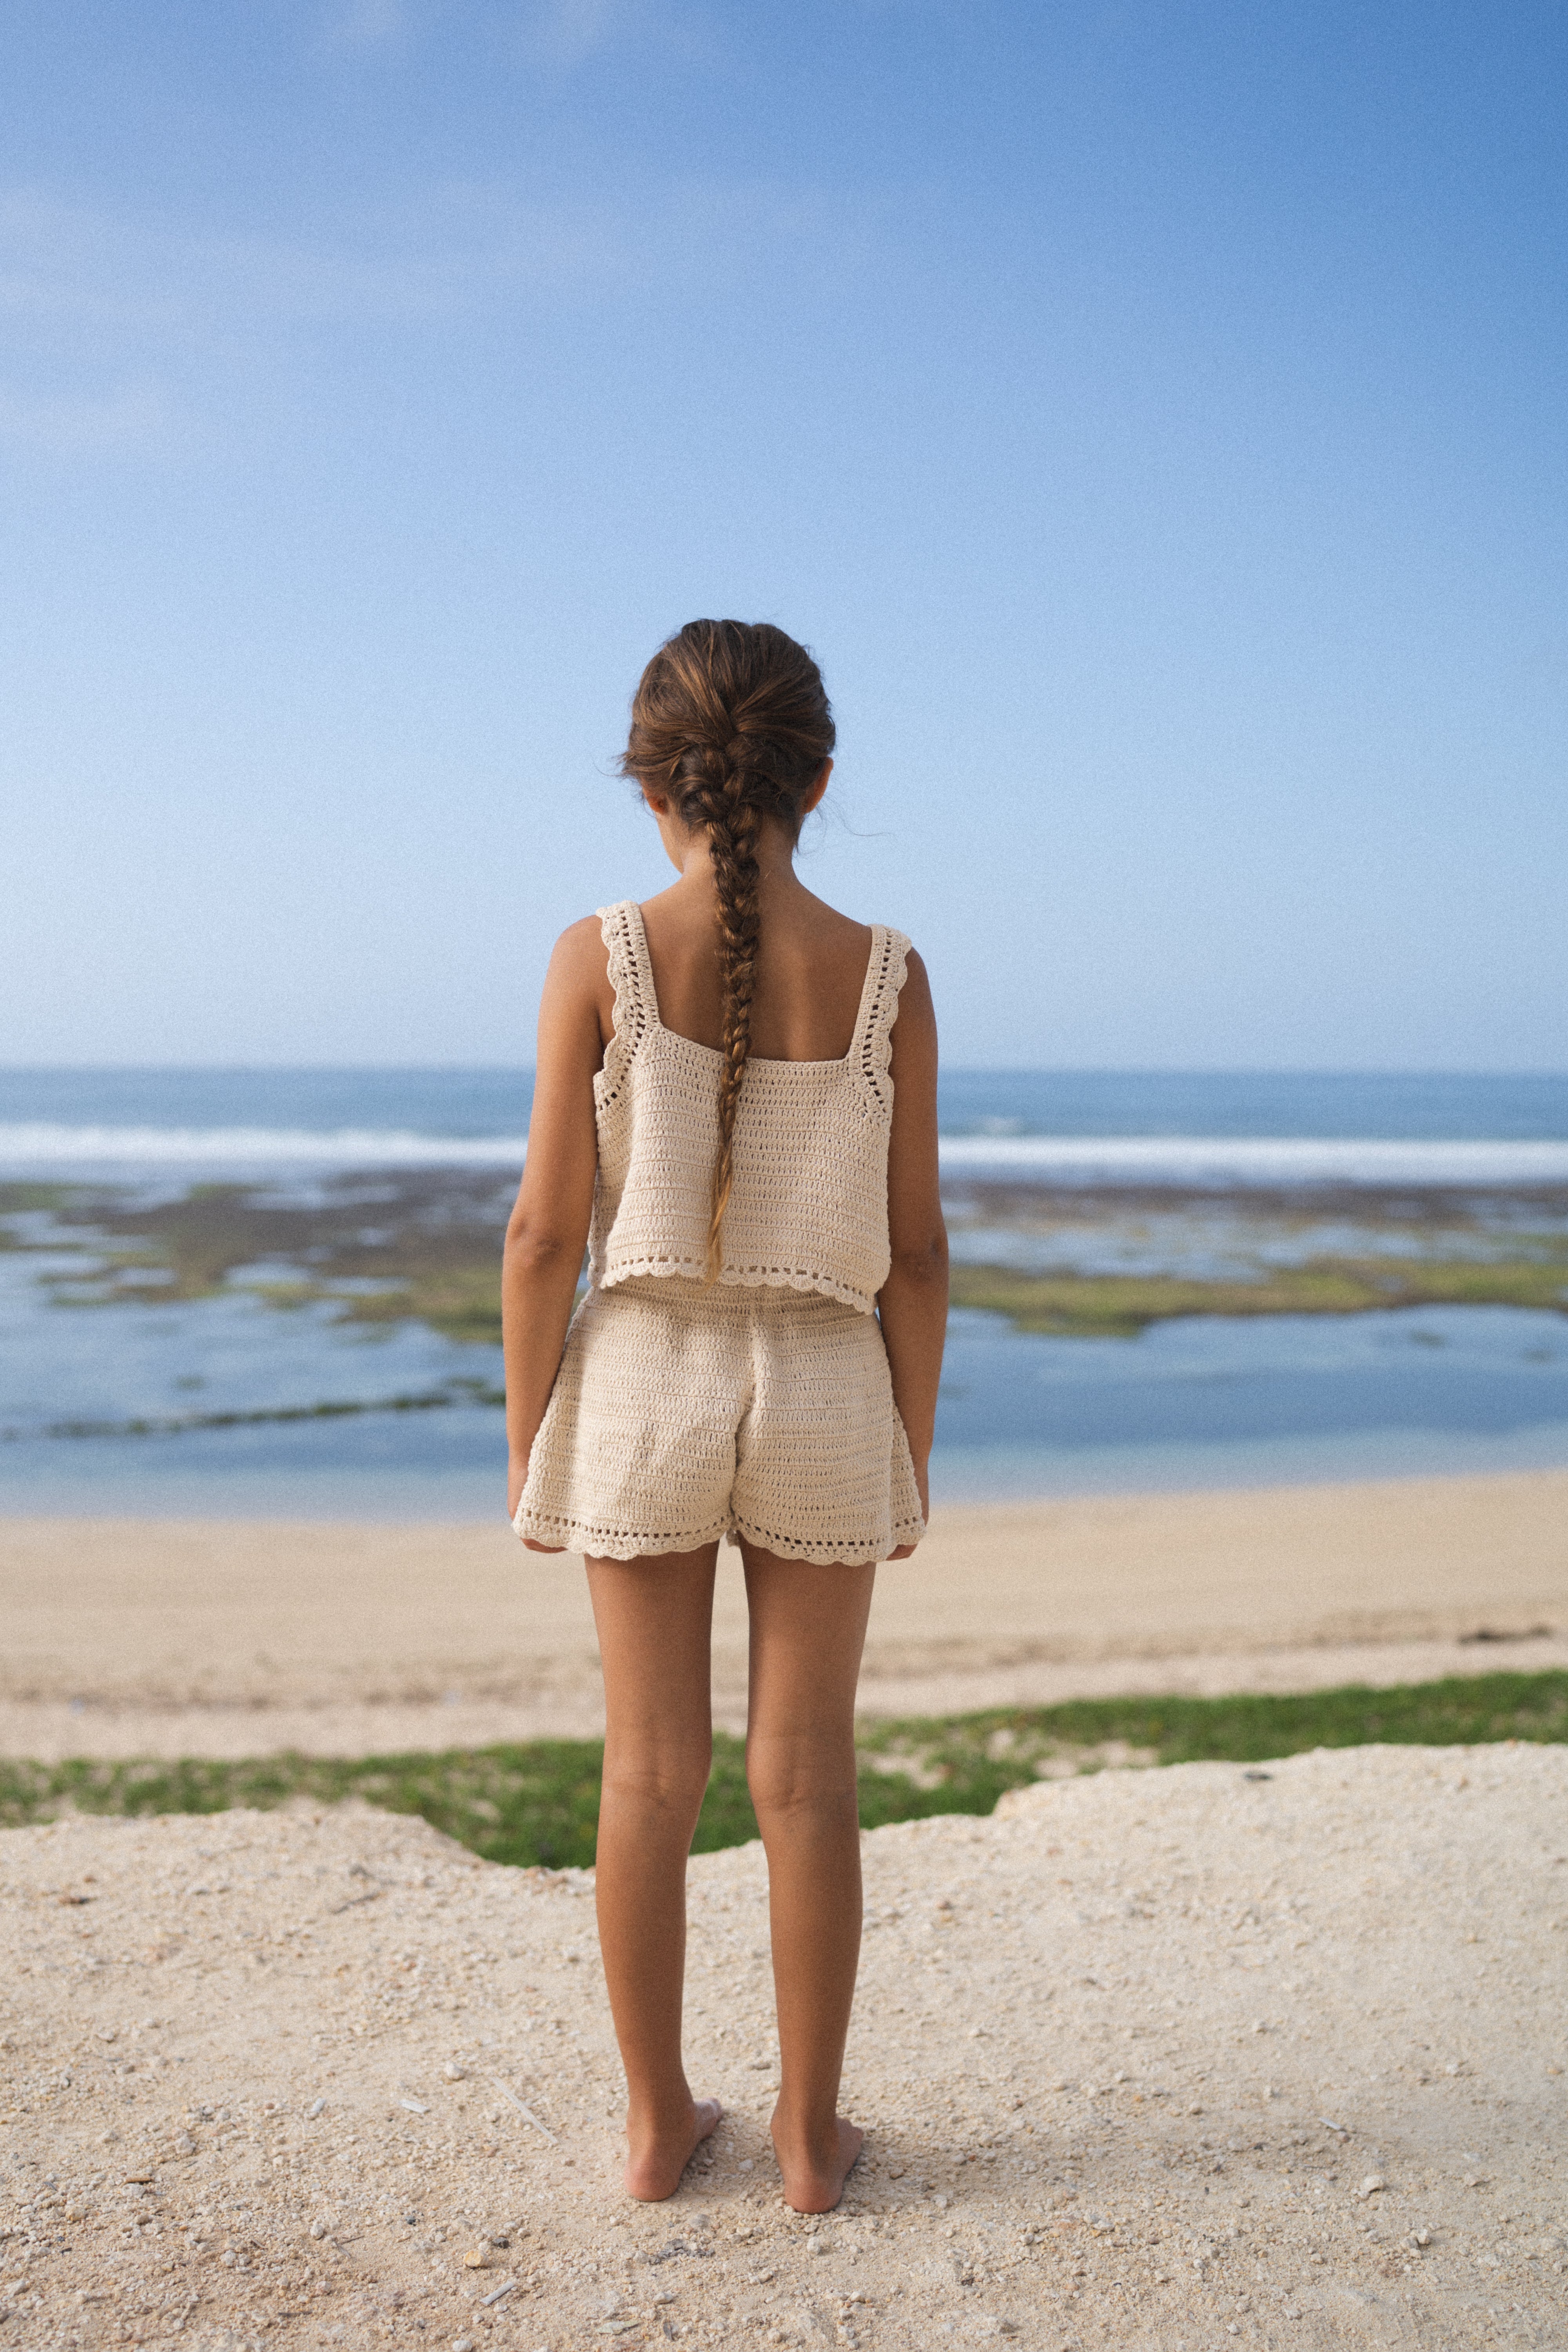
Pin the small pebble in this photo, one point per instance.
(1372, 2184)
(454, 2072)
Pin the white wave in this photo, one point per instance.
(1250, 1160)
(42, 1146)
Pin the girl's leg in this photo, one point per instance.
(808, 1626)
(655, 1620)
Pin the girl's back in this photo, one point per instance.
(811, 970)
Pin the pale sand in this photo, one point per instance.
(1159, 2061)
(224, 1639)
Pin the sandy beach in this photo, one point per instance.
(186, 1637)
(1165, 2060)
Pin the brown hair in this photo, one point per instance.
(732, 721)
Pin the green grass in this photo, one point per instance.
(539, 1802)
(1118, 1305)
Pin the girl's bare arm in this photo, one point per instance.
(913, 1302)
(548, 1230)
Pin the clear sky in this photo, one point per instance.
(1153, 414)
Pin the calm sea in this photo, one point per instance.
(1204, 1401)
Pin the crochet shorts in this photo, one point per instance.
(682, 1414)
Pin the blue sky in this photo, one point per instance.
(1152, 415)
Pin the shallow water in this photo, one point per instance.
(1200, 1176)
(1198, 1402)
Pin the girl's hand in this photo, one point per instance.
(516, 1480)
(923, 1488)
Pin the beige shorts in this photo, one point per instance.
(682, 1414)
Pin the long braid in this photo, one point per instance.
(731, 720)
(732, 839)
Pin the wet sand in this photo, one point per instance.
(220, 1638)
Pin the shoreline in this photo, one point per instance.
(241, 1637)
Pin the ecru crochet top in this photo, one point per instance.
(808, 1203)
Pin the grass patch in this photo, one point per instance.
(1119, 1305)
(539, 1802)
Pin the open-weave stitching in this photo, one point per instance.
(603, 1541)
(848, 1551)
(808, 1208)
(875, 1056)
(738, 1278)
(596, 1542)
(627, 978)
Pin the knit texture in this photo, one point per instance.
(808, 1208)
(681, 1415)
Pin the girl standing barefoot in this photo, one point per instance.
(726, 1115)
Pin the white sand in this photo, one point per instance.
(1131, 2059)
(237, 1638)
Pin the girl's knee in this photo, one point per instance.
(786, 1788)
(660, 1781)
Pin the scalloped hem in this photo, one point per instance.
(610, 1543)
(692, 1270)
(623, 1543)
(844, 1554)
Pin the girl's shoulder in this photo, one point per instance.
(580, 974)
(582, 938)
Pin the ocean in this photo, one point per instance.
(264, 1390)
(1218, 1126)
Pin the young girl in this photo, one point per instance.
(726, 1114)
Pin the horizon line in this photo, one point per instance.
(952, 1069)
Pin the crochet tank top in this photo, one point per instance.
(809, 1204)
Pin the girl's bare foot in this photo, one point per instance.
(813, 2178)
(658, 2159)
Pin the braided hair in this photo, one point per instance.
(731, 720)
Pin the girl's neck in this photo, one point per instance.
(776, 865)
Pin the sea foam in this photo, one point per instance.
(1252, 1161)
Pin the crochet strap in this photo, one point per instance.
(631, 976)
(873, 1047)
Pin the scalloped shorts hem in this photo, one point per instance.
(682, 1417)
